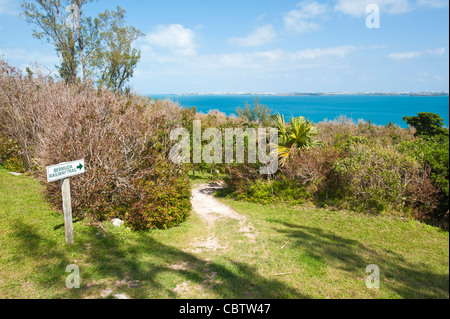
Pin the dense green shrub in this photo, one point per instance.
(433, 152)
(255, 113)
(339, 131)
(271, 191)
(163, 199)
(427, 124)
(380, 179)
(10, 156)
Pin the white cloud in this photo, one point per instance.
(416, 54)
(240, 71)
(260, 36)
(259, 61)
(339, 52)
(301, 26)
(358, 7)
(261, 17)
(24, 58)
(433, 3)
(436, 52)
(29, 56)
(299, 20)
(405, 55)
(174, 37)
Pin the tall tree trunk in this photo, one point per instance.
(76, 26)
(83, 63)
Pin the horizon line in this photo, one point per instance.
(310, 93)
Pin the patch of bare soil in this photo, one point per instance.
(211, 210)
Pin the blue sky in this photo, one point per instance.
(268, 46)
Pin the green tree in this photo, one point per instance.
(114, 59)
(256, 112)
(49, 18)
(102, 45)
(426, 124)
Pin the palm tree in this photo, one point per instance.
(298, 135)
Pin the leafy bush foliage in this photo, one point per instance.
(339, 131)
(299, 134)
(265, 191)
(433, 152)
(380, 179)
(311, 168)
(426, 124)
(9, 155)
(255, 113)
(162, 198)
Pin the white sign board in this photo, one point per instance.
(65, 170)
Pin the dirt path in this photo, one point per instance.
(214, 214)
(211, 211)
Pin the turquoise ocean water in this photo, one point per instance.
(379, 110)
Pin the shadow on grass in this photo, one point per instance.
(107, 260)
(42, 258)
(76, 220)
(408, 280)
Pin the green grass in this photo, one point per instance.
(202, 177)
(325, 254)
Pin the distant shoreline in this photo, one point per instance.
(425, 94)
(379, 109)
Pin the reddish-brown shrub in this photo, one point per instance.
(122, 139)
(311, 167)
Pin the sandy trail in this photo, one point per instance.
(211, 211)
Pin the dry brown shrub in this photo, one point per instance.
(311, 167)
(120, 137)
(337, 131)
(218, 119)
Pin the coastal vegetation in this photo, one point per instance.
(125, 140)
(370, 169)
(344, 195)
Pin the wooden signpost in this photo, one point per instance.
(62, 172)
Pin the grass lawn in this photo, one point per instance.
(326, 252)
(297, 253)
